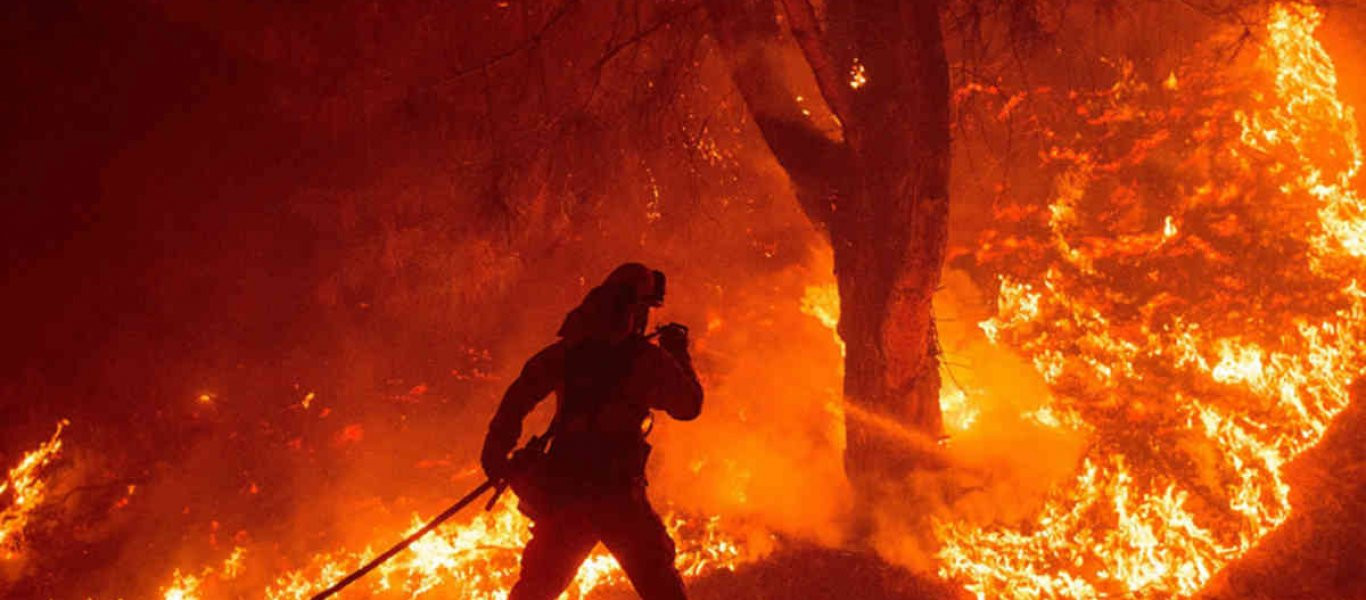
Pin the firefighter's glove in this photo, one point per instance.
(495, 462)
(673, 338)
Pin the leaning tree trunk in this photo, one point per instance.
(878, 187)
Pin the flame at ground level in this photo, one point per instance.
(479, 559)
(1196, 410)
(24, 490)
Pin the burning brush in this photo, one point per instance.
(1203, 354)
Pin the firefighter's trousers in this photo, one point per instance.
(624, 522)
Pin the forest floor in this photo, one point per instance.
(807, 572)
(820, 573)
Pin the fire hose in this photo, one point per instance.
(413, 537)
(535, 447)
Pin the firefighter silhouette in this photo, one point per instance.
(589, 485)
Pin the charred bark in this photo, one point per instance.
(881, 194)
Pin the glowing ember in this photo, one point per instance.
(858, 75)
(24, 489)
(1222, 356)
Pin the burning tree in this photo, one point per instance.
(870, 167)
(1191, 290)
(869, 161)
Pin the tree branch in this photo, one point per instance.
(644, 33)
(801, 18)
(531, 41)
(747, 33)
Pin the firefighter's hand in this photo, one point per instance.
(496, 464)
(496, 468)
(673, 338)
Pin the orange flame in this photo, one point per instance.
(26, 491)
(1233, 403)
(478, 559)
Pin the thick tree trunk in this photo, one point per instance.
(881, 193)
(891, 379)
(889, 243)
